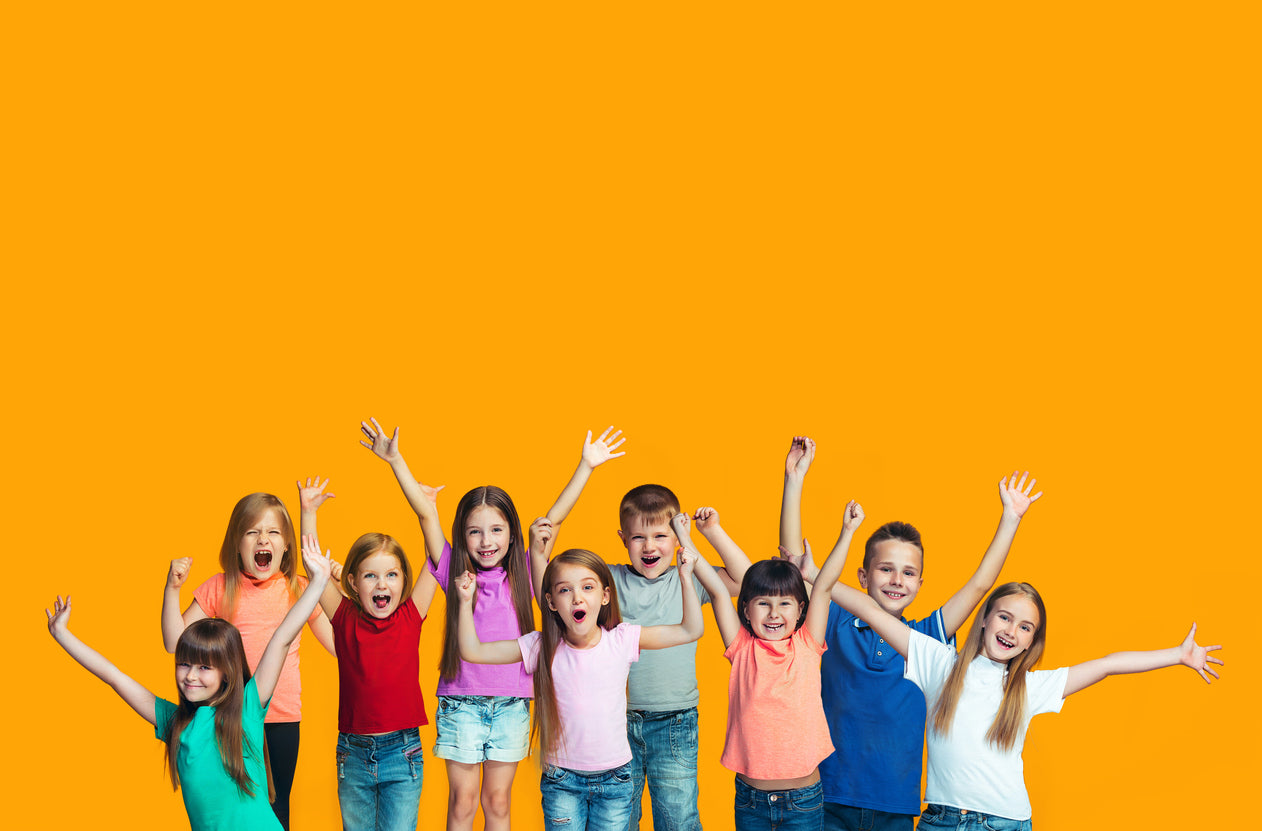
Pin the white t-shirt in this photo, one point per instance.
(591, 695)
(965, 770)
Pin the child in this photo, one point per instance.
(662, 695)
(580, 663)
(483, 711)
(258, 586)
(876, 717)
(774, 646)
(981, 702)
(215, 734)
(377, 631)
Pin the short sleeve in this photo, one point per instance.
(808, 640)
(629, 641)
(209, 595)
(443, 569)
(1045, 691)
(163, 712)
(738, 643)
(928, 662)
(529, 644)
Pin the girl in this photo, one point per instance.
(215, 738)
(483, 711)
(258, 586)
(580, 662)
(981, 702)
(774, 640)
(377, 631)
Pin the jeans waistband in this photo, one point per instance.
(385, 740)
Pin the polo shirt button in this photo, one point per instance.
(879, 653)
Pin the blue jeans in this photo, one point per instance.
(839, 817)
(379, 780)
(664, 752)
(801, 809)
(942, 816)
(573, 801)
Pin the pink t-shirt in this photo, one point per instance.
(775, 719)
(494, 619)
(261, 606)
(591, 694)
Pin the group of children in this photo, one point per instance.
(611, 670)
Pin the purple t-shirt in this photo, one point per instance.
(494, 619)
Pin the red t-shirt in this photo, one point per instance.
(379, 667)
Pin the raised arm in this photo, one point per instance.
(1016, 500)
(830, 571)
(173, 622)
(131, 691)
(542, 538)
(796, 464)
(735, 561)
(423, 591)
(1188, 653)
(691, 626)
(725, 616)
(595, 453)
(329, 597)
(311, 496)
(472, 649)
(422, 498)
(318, 567)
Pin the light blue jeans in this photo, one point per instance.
(799, 809)
(942, 816)
(574, 801)
(379, 780)
(664, 753)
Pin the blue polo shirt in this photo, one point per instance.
(876, 717)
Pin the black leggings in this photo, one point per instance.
(282, 749)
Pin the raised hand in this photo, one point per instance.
(465, 585)
(798, 461)
(685, 558)
(335, 571)
(1194, 656)
(541, 532)
(59, 617)
(313, 494)
(319, 566)
(178, 572)
(1016, 495)
(679, 522)
(596, 453)
(802, 562)
(706, 518)
(853, 517)
(386, 449)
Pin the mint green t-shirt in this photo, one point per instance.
(211, 797)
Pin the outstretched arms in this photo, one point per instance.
(1016, 500)
(472, 649)
(131, 691)
(830, 572)
(796, 464)
(595, 453)
(173, 622)
(735, 561)
(318, 567)
(691, 626)
(542, 537)
(422, 498)
(724, 614)
(1188, 653)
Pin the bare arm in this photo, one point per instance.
(796, 464)
(1016, 500)
(595, 454)
(310, 497)
(329, 597)
(131, 691)
(691, 626)
(422, 498)
(542, 538)
(322, 630)
(725, 616)
(817, 614)
(472, 649)
(1188, 653)
(735, 561)
(267, 673)
(173, 622)
(423, 591)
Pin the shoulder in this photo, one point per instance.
(932, 626)
(739, 643)
(625, 633)
(804, 637)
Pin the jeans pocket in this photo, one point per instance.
(683, 739)
(1005, 824)
(554, 774)
(448, 705)
(807, 799)
(932, 815)
(622, 774)
(341, 764)
(745, 797)
(416, 760)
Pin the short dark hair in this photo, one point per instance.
(772, 578)
(901, 531)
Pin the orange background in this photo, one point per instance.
(944, 242)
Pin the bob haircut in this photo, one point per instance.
(249, 510)
(651, 503)
(772, 578)
(901, 531)
(363, 548)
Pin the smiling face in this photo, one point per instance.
(650, 545)
(1010, 627)
(379, 582)
(198, 682)
(577, 596)
(892, 577)
(263, 545)
(773, 617)
(488, 536)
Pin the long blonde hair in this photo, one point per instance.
(1006, 727)
(547, 730)
(248, 510)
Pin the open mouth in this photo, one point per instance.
(381, 601)
(579, 614)
(262, 559)
(895, 595)
(1004, 642)
(650, 560)
(487, 556)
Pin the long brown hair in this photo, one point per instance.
(547, 731)
(248, 510)
(215, 642)
(516, 564)
(363, 548)
(1006, 727)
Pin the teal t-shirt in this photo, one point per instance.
(211, 797)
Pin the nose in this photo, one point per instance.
(896, 579)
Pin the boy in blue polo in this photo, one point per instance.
(876, 717)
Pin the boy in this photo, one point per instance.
(876, 717)
(662, 690)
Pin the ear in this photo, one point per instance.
(604, 600)
(623, 537)
(548, 597)
(863, 578)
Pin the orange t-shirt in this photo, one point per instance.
(775, 718)
(261, 606)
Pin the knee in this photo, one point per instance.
(462, 803)
(497, 802)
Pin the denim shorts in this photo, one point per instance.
(574, 801)
(944, 816)
(473, 729)
(799, 809)
(379, 780)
